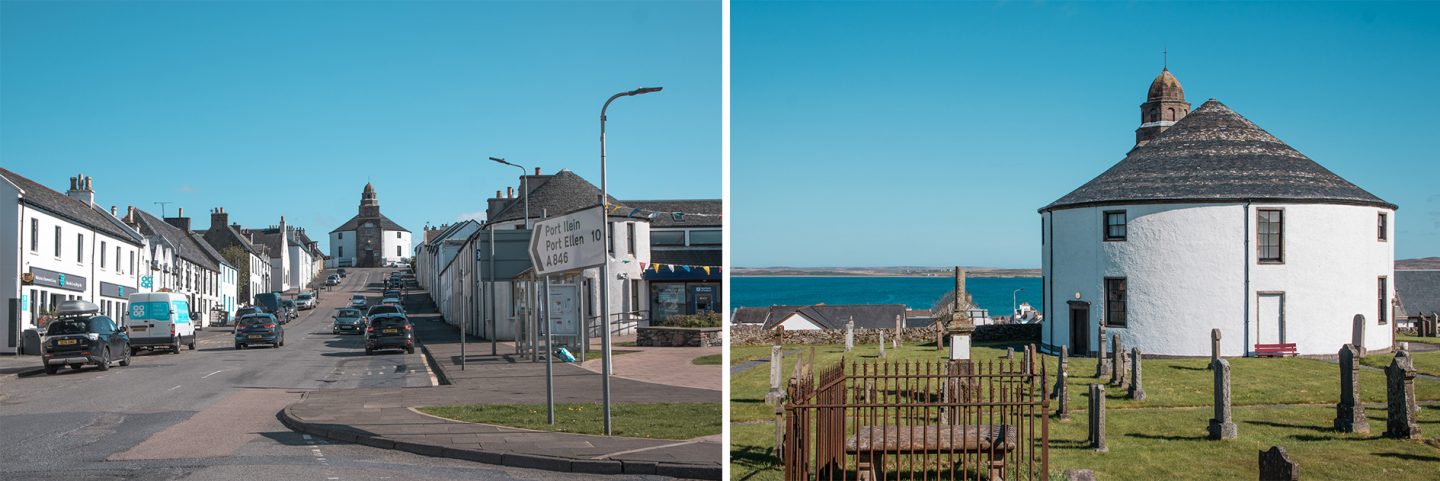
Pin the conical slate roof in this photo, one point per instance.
(1216, 155)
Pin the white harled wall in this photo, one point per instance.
(1185, 268)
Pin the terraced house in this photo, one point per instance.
(60, 247)
(180, 264)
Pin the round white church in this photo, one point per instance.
(1211, 222)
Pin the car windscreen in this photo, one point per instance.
(357, 296)
(305, 296)
(289, 304)
(254, 320)
(348, 313)
(388, 322)
(67, 326)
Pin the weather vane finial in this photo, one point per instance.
(1165, 58)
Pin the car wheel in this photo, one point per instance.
(410, 350)
(192, 344)
(239, 347)
(104, 364)
(126, 361)
(52, 368)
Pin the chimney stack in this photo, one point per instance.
(509, 192)
(179, 221)
(80, 190)
(218, 218)
(537, 171)
(114, 211)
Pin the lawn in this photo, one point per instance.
(1287, 402)
(655, 421)
(710, 360)
(1425, 362)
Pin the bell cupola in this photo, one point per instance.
(1164, 105)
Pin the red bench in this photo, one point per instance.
(1274, 350)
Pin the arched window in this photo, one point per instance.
(1171, 114)
(1154, 115)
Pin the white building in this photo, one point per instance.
(60, 247)
(228, 283)
(1211, 222)
(294, 258)
(369, 239)
(179, 263)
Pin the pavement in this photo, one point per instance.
(639, 364)
(386, 417)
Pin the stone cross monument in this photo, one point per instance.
(1214, 346)
(960, 328)
(850, 334)
(1137, 389)
(1222, 426)
(1350, 413)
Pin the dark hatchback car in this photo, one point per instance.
(348, 321)
(259, 329)
(389, 331)
(81, 337)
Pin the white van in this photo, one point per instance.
(160, 321)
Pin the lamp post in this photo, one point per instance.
(605, 369)
(524, 185)
(1014, 305)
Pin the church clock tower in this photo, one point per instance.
(1164, 105)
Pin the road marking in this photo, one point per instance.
(425, 359)
(177, 386)
(212, 374)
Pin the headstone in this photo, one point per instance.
(777, 359)
(1062, 395)
(1030, 360)
(1079, 475)
(1350, 413)
(1222, 426)
(850, 334)
(1214, 346)
(1064, 367)
(1357, 334)
(1137, 388)
(1097, 418)
(1400, 420)
(882, 342)
(1117, 363)
(1275, 465)
(1009, 353)
(1102, 363)
(899, 326)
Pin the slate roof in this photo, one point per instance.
(185, 246)
(755, 315)
(1419, 291)
(1216, 155)
(223, 236)
(354, 224)
(688, 206)
(867, 316)
(270, 239)
(209, 249)
(559, 194)
(57, 203)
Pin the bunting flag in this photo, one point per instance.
(656, 266)
(672, 267)
(707, 269)
(687, 268)
(642, 266)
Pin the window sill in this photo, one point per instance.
(1270, 263)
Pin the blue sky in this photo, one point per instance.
(271, 108)
(870, 134)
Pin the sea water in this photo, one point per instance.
(993, 293)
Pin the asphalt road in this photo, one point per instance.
(210, 414)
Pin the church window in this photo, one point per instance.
(1383, 228)
(1115, 228)
(1171, 114)
(1270, 235)
(1383, 305)
(1115, 301)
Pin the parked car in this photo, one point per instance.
(290, 309)
(259, 329)
(389, 331)
(79, 337)
(306, 300)
(392, 301)
(269, 302)
(357, 300)
(341, 272)
(348, 320)
(159, 321)
(332, 280)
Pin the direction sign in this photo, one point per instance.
(572, 241)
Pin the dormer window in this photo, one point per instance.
(1115, 228)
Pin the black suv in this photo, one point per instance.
(81, 337)
(389, 331)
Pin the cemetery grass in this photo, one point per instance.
(707, 360)
(1425, 362)
(1278, 401)
(1422, 340)
(650, 420)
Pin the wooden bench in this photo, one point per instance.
(1274, 350)
(870, 444)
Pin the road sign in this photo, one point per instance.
(572, 241)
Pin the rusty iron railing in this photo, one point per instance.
(917, 420)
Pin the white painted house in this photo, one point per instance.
(180, 262)
(1211, 222)
(60, 247)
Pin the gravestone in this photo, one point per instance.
(1009, 353)
(882, 342)
(899, 327)
(1064, 367)
(1102, 363)
(1357, 334)
(1222, 426)
(777, 358)
(1079, 475)
(1214, 346)
(1029, 361)
(1097, 418)
(1062, 395)
(1400, 398)
(1117, 363)
(1350, 413)
(1275, 465)
(850, 334)
(1137, 389)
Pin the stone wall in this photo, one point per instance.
(757, 336)
(678, 336)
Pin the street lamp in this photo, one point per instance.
(524, 185)
(605, 370)
(1014, 305)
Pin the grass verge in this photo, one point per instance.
(710, 360)
(653, 420)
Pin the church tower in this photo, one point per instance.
(370, 206)
(1164, 105)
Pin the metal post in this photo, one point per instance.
(605, 369)
(549, 360)
(493, 311)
